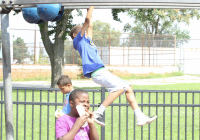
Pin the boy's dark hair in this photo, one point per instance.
(74, 94)
(64, 80)
(75, 29)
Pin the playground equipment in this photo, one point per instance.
(31, 15)
(107, 4)
(50, 12)
(43, 12)
(7, 5)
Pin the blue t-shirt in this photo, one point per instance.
(88, 52)
(66, 106)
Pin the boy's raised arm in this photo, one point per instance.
(90, 29)
(87, 20)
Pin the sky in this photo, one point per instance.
(104, 15)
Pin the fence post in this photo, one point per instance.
(7, 80)
(103, 90)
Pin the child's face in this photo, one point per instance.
(65, 89)
(83, 99)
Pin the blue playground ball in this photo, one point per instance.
(31, 16)
(50, 12)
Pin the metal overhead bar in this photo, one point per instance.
(129, 4)
(21, 2)
(122, 6)
(130, 7)
(98, 2)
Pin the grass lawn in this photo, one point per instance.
(40, 120)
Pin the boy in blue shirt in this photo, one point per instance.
(65, 85)
(94, 68)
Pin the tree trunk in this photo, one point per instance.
(55, 50)
(57, 62)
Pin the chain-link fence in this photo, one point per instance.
(114, 49)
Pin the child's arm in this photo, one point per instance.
(90, 29)
(93, 131)
(87, 20)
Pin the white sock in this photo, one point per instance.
(138, 113)
(101, 109)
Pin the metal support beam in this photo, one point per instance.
(131, 7)
(109, 4)
(119, 6)
(7, 82)
(21, 2)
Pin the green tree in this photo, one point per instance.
(20, 51)
(104, 35)
(158, 21)
(55, 48)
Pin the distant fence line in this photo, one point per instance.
(123, 49)
(123, 56)
(178, 114)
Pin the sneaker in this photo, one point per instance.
(145, 120)
(98, 117)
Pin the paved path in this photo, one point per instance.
(90, 83)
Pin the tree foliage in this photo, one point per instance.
(20, 51)
(104, 35)
(158, 21)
